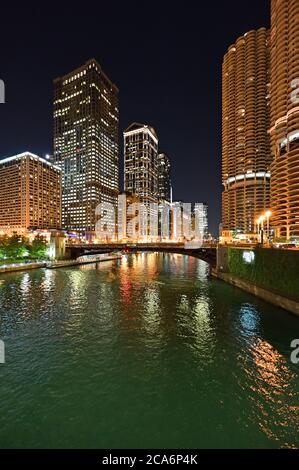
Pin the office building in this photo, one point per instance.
(30, 194)
(141, 162)
(164, 178)
(86, 144)
(132, 218)
(201, 224)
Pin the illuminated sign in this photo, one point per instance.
(248, 257)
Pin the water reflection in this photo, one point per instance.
(127, 349)
(249, 321)
(277, 402)
(25, 285)
(48, 281)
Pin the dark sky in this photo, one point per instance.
(165, 59)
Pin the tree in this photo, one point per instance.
(17, 247)
(38, 248)
(3, 246)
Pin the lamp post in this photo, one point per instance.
(262, 220)
(257, 226)
(268, 215)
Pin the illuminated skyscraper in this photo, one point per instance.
(86, 143)
(246, 155)
(30, 193)
(285, 117)
(141, 162)
(164, 177)
(201, 224)
(129, 218)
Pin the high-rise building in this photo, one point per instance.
(164, 177)
(129, 217)
(141, 162)
(86, 143)
(201, 224)
(246, 155)
(284, 129)
(30, 193)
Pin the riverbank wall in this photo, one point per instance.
(11, 268)
(270, 274)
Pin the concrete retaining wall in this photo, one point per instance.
(20, 267)
(260, 292)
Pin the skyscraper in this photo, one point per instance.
(141, 162)
(86, 143)
(30, 193)
(164, 177)
(129, 218)
(246, 155)
(284, 129)
(201, 227)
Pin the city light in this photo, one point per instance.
(125, 325)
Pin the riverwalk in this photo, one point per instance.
(10, 268)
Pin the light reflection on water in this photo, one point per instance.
(143, 352)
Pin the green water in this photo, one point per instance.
(143, 352)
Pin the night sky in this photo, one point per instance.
(165, 59)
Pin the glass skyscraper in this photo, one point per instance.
(86, 144)
(141, 162)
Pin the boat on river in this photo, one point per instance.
(84, 259)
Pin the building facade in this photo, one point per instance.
(284, 130)
(201, 223)
(132, 223)
(86, 144)
(164, 178)
(141, 162)
(30, 193)
(246, 154)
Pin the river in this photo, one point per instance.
(144, 352)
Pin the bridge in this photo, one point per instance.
(206, 252)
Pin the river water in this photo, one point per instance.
(144, 352)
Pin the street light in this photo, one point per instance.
(262, 220)
(257, 226)
(268, 215)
